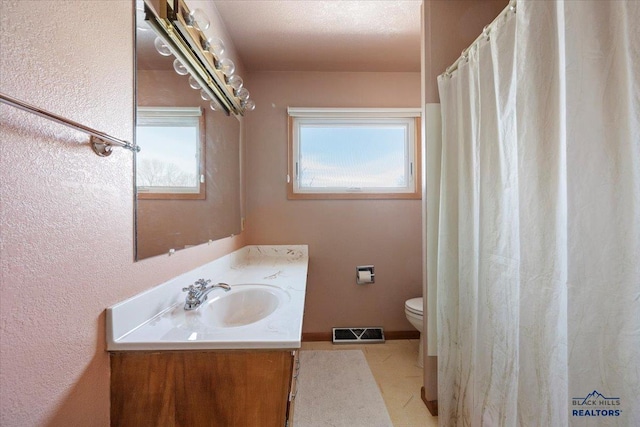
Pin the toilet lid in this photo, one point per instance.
(414, 305)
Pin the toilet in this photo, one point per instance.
(413, 311)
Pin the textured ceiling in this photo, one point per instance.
(329, 35)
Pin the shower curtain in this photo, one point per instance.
(538, 260)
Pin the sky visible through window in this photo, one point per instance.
(168, 156)
(365, 156)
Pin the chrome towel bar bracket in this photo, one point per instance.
(101, 143)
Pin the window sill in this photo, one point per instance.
(352, 196)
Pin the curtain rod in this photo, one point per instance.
(101, 143)
(511, 7)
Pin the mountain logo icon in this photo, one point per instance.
(595, 394)
(593, 398)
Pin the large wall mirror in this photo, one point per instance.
(188, 170)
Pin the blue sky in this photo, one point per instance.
(350, 156)
(171, 144)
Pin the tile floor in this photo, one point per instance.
(399, 378)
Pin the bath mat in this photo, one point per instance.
(337, 389)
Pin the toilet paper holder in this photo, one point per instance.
(365, 274)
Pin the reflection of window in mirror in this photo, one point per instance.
(171, 162)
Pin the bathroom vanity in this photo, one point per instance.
(231, 362)
(203, 388)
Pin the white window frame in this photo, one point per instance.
(186, 116)
(409, 117)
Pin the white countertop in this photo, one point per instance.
(155, 319)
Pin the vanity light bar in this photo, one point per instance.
(195, 42)
(185, 43)
(180, 49)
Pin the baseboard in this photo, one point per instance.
(432, 405)
(316, 336)
(402, 335)
(389, 335)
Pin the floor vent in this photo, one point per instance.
(357, 335)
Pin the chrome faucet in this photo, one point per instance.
(197, 293)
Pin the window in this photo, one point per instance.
(170, 164)
(354, 153)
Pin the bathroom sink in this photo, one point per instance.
(242, 305)
(262, 310)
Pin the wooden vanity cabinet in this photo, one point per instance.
(230, 388)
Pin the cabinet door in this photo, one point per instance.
(142, 389)
(235, 388)
(201, 388)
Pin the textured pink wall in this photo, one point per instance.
(66, 215)
(341, 234)
(450, 27)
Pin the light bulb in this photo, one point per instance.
(216, 46)
(226, 66)
(161, 47)
(214, 106)
(213, 45)
(243, 94)
(194, 83)
(235, 82)
(180, 68)
(199, 19)
(249, 105)
(204, 95)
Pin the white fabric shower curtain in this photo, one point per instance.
(538, 261)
